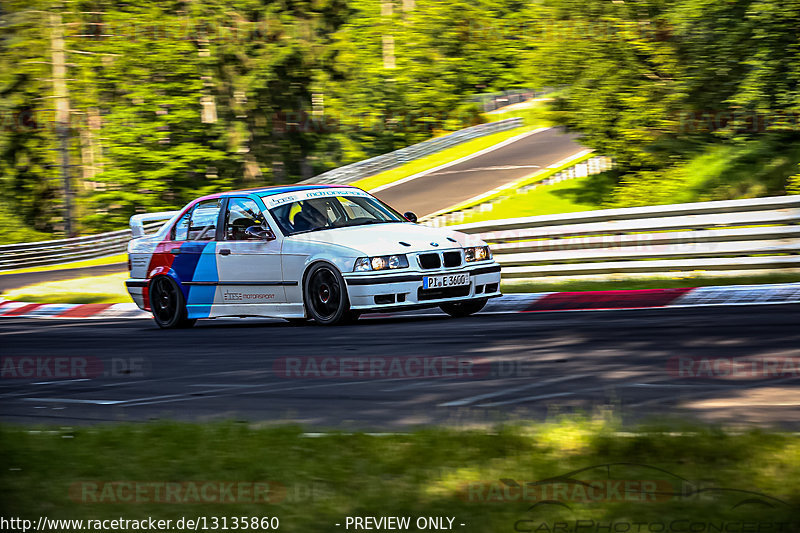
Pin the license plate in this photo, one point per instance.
(448, 280)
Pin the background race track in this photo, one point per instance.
(526, 365)
(459, 182)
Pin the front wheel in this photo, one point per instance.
(325, 295)
(168, 304)
(462, 309)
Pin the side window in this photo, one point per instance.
(203, 221)
(242, 213)
(181, 230)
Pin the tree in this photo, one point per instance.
(28, 165)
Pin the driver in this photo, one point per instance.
(313, 215)
(309, 218)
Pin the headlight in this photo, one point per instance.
(382, 262)
(362, 264)
(477, 253)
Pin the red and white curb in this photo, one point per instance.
(648, 298)
(75, 311)
(783, 293)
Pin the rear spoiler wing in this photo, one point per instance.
(137, 221)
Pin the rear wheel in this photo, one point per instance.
(462, 309)
(168, 304)
(325, 296)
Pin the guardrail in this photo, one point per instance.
(376, 165)
(494, 101)
(32, 254)
(734, 237)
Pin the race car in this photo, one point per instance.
(326, 253)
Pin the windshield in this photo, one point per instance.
(315, 214)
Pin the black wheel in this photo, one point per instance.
(461, 309)
(168, 304)
(325, 295)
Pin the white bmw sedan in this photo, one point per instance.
(327, 253)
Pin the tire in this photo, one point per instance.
(168, 304)
(325, 295)
(462, 309)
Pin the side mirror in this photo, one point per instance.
(410, 216)
(257, 232)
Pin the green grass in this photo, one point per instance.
(657, 282)
(90, 289)
(578, 194)
(119, 259)
(745, 169)
(423, 473)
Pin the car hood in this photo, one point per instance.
(386, 239)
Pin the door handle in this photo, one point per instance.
(175, 251)
(224, 251)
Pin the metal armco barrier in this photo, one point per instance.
(376, 165)
(734, 236)
(53, 252)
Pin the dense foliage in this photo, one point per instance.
(661, 85)
(172, 99)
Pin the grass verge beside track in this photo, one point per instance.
(570, 196)
(108, 289)
(654, 475)
(119, 259)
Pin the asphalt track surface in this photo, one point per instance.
(457, 183)
(525, 365)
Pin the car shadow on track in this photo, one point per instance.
(367, 321)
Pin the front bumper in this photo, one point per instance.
(388, 290)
